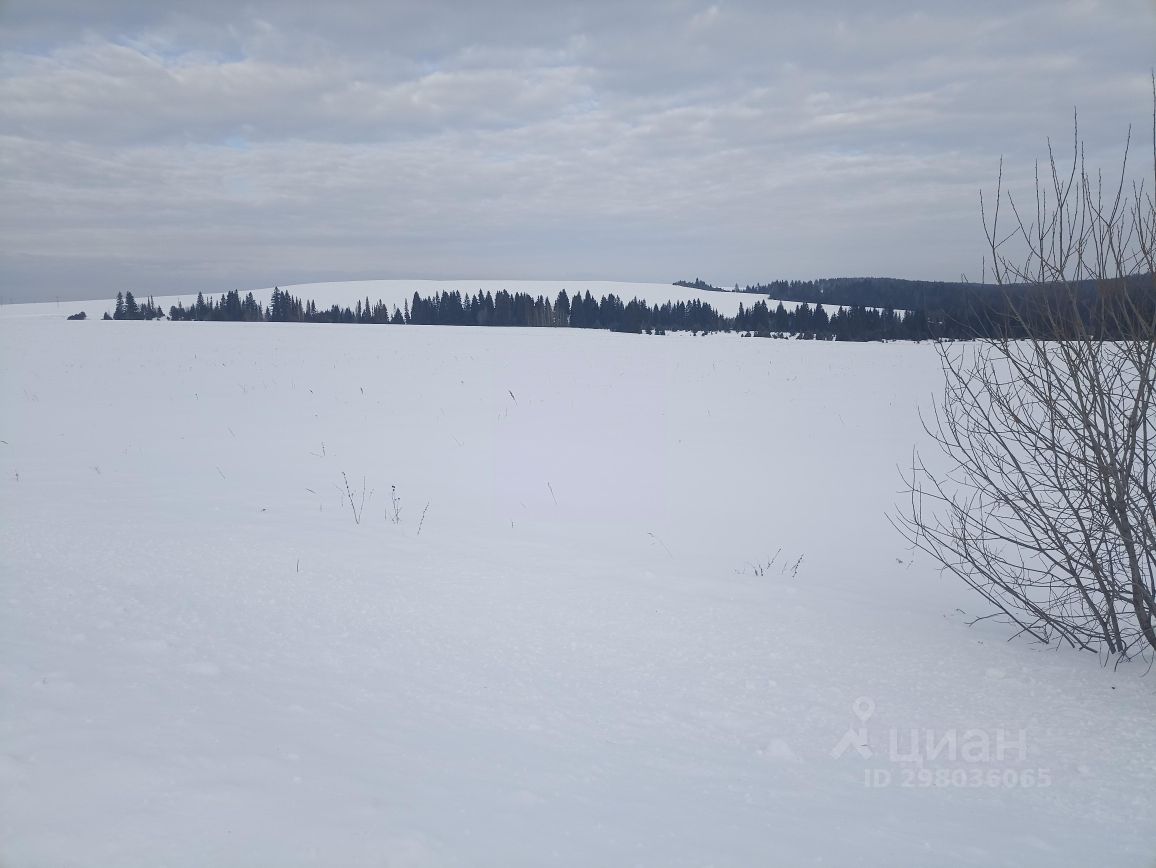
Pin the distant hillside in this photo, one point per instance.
(883, 292)
(877, 292)
(961, 310)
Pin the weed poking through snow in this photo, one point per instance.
(393, 513)
(358, 507)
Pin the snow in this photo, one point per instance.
(583, 658)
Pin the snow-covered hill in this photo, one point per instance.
(608, 600)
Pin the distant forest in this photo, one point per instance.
(520, 309)
(962, 309)
(940, 299)
(846, 309)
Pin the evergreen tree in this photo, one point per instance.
(562, 310)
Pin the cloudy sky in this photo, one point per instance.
(165, 147)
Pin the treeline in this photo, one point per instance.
(699, 283)
(1037, 311)
(933, 296)
(128, 307)
(966, 310)
(852, 323)
(581, 311)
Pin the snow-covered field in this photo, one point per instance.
(569, 649)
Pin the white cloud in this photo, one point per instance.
(741, 141)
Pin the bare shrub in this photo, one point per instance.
(1047, 507)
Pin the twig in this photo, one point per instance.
(357, 511)
(660, 542)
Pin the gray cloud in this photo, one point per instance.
(147, 147)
